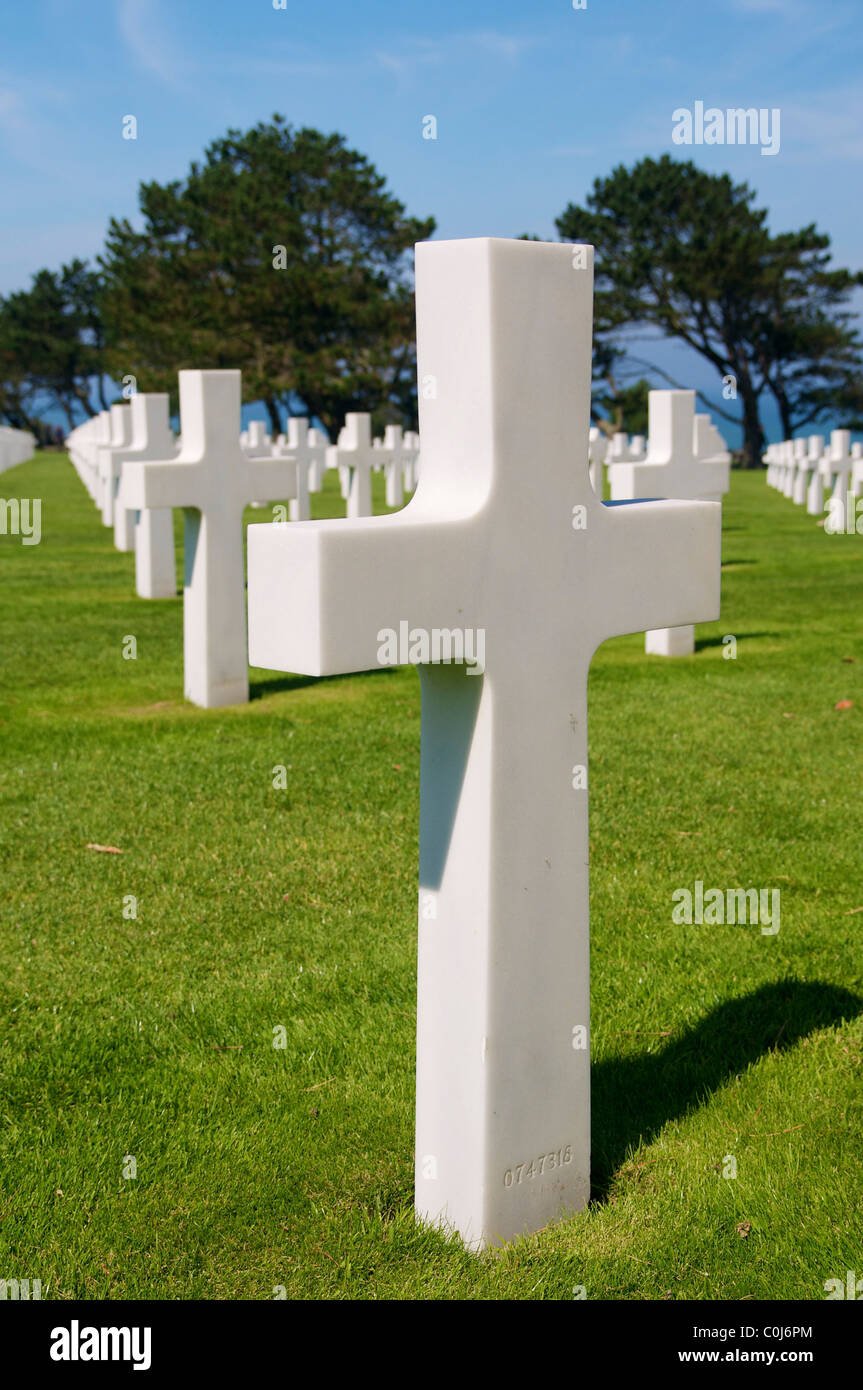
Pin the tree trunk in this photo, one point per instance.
(275, 418)
(784, 411)
(753, 434)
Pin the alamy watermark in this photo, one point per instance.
(20, 1290)
(844, 516)
(21, 516)
(733, 907)
(737, 125)
(420, 646)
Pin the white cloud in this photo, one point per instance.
(143, 32)
(406, 59)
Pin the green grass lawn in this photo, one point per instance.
(152, 1036)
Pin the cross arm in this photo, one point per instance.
(155, 484)
(272, 478)
(320, 591)
(667, 572)
(633, 480)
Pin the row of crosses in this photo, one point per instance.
(505, 536)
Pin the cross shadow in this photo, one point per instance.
(702, 643)
(450, 704)
(271, 685)
(633, 1097)
(732, 561)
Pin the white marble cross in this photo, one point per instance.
(621, 451)
(815, 488)
(838, 463)
(15, 446)
(709, 444)
(597, 452)
(354, 456)
(212, 480)
(671, 469)
(109, 472)
(804, 464)
(797, 460)
(856, 483)
(309, 448)
(256, 440)
(153, 538)
(411, 450)
(82, 444)
(506, 554)
(395, 459)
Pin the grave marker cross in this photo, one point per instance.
(212, 480)
(152, 438)
(672, 468)
(547, 572)
(107, 466)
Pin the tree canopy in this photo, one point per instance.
(51, 346)
(687, 253)
(282, 253)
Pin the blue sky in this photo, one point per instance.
(532, 103)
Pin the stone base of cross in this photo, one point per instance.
(500, 586)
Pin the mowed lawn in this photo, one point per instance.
(258, 909)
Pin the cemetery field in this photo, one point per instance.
(143, 990)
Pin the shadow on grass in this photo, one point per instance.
(273, 684)
(633, 1097)
(702, 643)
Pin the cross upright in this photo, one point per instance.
(545, 572)
(212, 480)
(672, 468)
(153, 540)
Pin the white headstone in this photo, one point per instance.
(257, 440)
(541, 574)
(597, 451)
(857, 469)
(308, 447)
(152, 438)
(212, 480)
(815, 486)
(839, 460)
(621, 451)
(354, 455)
(109, 472)
(672, 468)
(16, 446)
